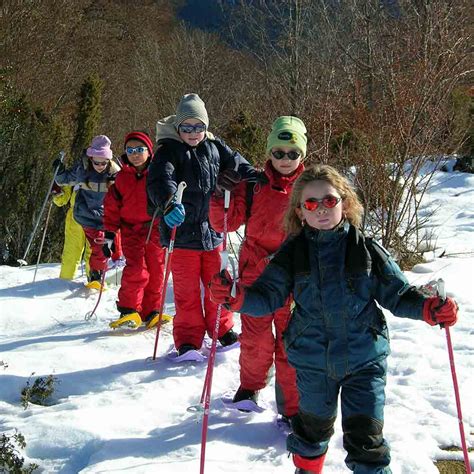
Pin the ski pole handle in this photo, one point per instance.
(442, 296)
(179, 192)
(441, 290)
(226, 199)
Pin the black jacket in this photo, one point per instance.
(175, 161)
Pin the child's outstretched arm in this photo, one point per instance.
(393, 292)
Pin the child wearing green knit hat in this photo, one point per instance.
(261, 207)
(287, 131)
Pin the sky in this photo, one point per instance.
(114, 410)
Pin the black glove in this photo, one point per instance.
(227, 180)
(108, 248)
(57, 163)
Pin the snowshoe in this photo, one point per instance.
(245, 406)
(244, 400)
(96, 285)
(130, 320)
(152, 320)
(186, 353)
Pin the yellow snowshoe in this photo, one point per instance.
(95, 285)
(131, 321)
(165, 318)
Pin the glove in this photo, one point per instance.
(108, 248)
(174, 215)
(57, 163)
(226, 181)
(56, 190)
(220, 288)
(436, 312)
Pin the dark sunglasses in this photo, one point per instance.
(138, 149)
(199, 128)
(279, 155)
(100, 163)
(329, 202)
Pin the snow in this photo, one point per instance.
(114, 410)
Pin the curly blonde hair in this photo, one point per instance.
(353, 209)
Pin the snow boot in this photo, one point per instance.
(229, 338)
(185, 348)
(128, 318)
(95, 280)
(308, 465)
(245, 394)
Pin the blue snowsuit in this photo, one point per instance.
(337, 338)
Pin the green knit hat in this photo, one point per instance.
(191, 106)
(287, 131)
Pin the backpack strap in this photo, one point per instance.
(250, 191)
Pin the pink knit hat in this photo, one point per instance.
(100, 147)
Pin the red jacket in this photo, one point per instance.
(264, 227)
(126, 201)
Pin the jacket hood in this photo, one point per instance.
(165, 129)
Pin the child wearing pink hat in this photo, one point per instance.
(93, 174)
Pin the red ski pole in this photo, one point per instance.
(206, 391)
(89, 314)
(169, 252)
(467, 465)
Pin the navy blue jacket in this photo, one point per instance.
(337, 284)
(175, 161)
(89, 206)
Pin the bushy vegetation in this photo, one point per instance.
(11, 460)
(378, 85)
(39, 392)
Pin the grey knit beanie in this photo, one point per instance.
(191, 106)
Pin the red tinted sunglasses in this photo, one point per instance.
(329, 202)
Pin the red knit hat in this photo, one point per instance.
(141, 136)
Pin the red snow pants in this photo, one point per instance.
(97, 260)
(143, 274)
(194, 316)
(258, 346)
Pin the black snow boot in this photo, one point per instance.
(185, 348)
(229, 338)
(95, 275)
(245, 394)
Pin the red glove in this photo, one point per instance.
(436, 312)
(220, 288)
(56, 190)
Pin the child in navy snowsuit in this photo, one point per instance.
(337, 337)
(94, 173)
(188, 152)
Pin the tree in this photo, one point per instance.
(89, 114)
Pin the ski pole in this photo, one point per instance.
(169, 252)
(442, 295)
(22, 261)
(42, 239)
(89, 314)
(206, 392)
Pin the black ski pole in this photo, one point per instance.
(22, 261)
(42, 239)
